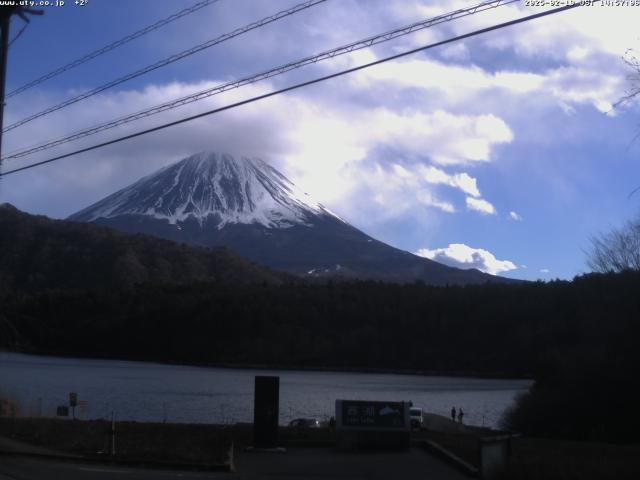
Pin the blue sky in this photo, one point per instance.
(501, 152)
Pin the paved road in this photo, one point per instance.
(12, 445)
(29, 468)
(295, 464)
(328, 464)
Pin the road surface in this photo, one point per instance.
(30, 468)
(295, 464)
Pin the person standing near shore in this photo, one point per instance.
(453, 414)
(460, 415)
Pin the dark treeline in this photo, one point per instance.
(578, 339)
(586, 381)
(38, 253)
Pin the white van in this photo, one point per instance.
(415, 417)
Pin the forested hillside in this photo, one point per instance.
(39, 253)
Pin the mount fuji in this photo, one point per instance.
(211, 200)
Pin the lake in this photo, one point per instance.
(145, 391)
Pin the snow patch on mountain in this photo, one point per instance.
(212, 187)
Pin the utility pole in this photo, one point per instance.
(4, 50)
(5, 25)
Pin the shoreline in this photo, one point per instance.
(288, 368)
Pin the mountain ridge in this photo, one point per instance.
(213, 200)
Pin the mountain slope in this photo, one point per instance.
(214, 200)
(211, 188)
(40, 253)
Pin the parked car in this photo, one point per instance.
(415, 418)
(305, 423)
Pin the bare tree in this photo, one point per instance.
(617, 250)
(633, 91)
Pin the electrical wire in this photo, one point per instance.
(24, 27)
(111, 46)
(329, 54)
(295, 87)
(169, 60)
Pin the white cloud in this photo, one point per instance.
(570, 59)
(480, 205)
(545, 270)
(462, 256)
(576, 85)
(515, 216)
(553, 36)
(446, 138)
(322, 150)
(457, 51)
(394, 191)
(332, 155)
(462, 181)
(428, 199)
(571, 84)
(456, 81)
(577, 53)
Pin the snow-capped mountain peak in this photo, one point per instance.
(210, 186)
(212, 200)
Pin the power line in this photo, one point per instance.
(17, 36)
(367, 42)
(111, 46)
(169, 60)
(5, 24)
(296, 86)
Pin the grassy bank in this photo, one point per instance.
(182, 443)
(172, 442)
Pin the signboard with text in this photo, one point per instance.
(372, 415)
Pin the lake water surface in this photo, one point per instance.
(145, 391)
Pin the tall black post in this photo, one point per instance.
(266, 412)
(4, 51)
